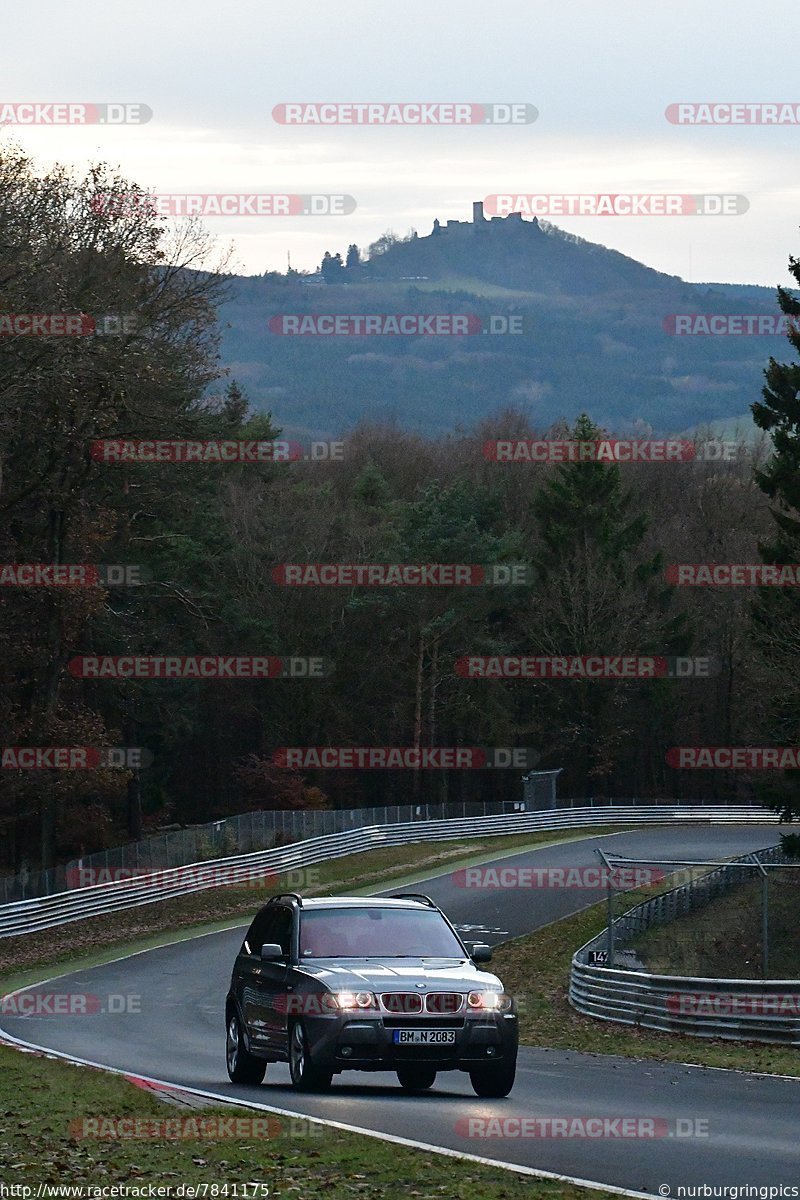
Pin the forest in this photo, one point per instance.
(189, 558)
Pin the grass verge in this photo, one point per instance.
(724, 938)
(41, 1098)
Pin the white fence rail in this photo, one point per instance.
(28, 916)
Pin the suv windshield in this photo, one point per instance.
(376, 933)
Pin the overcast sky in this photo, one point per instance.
(600, 76)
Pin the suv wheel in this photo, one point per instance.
(305, 1076)
(243, 1067)
(416, 1078)
(494, 1081)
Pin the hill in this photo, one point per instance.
(594, 331)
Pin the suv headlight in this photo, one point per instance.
(489, 1002)
(355, 1000)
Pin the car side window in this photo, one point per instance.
(282, 931)
(260, 931)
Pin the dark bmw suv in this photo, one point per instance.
(335, 984)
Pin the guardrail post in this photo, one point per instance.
(610, 924)
(764, 915)
(609, 907)
(765, 924)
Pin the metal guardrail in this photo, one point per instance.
(733, 1009)
(243, 833)
(28, 916)
(266, 829)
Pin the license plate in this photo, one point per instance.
(424, 1037)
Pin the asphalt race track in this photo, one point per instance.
(751, 1123)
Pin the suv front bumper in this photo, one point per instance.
(367, 1043)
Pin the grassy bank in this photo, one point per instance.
(43, 1103)
(723, 939)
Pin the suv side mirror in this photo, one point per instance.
(271, 952)
(481, 953)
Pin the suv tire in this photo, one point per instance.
(243, 1067)
(416, 1078)
(495, 1081)
(305, 1076)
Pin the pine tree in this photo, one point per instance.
(776, 611)
(332, 267)
(235, 404)
(585, 504)
(597, 592)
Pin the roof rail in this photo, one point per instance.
(285, 896)
(414, 896)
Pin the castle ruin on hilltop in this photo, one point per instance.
(483, 224)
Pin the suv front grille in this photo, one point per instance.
(443, 1002)
(413, 1004)
(402, 1002)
